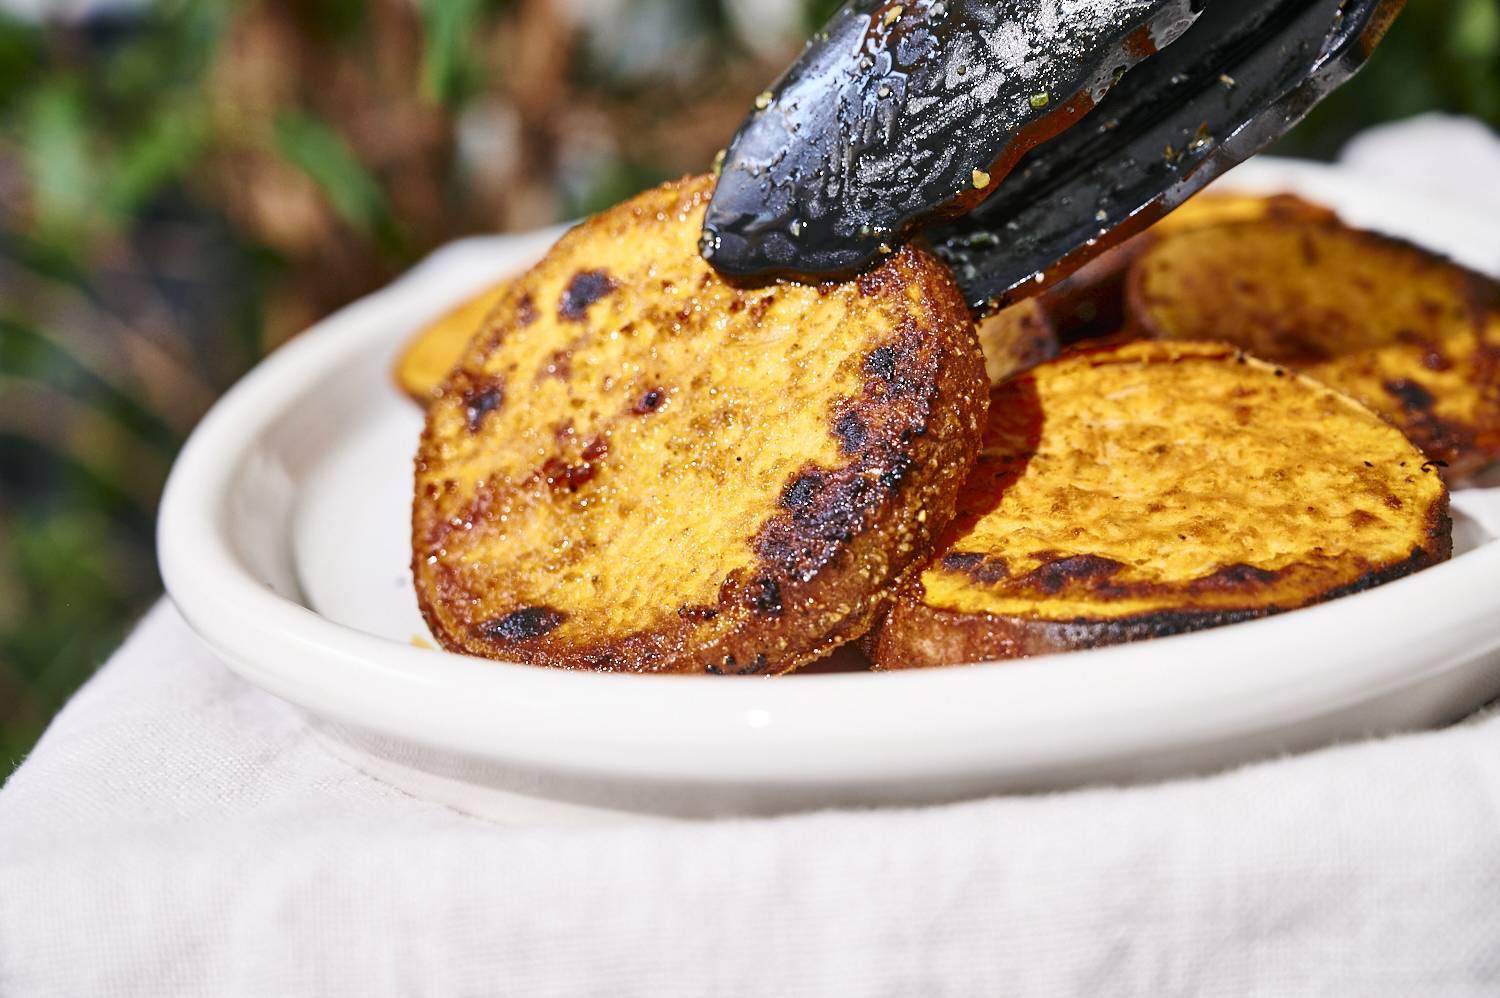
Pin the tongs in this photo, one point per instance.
(1019, 138)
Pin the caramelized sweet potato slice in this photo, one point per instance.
(1149, 489)
(1413, 336)
(638, 466)
(1090, 302)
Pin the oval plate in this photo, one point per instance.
(284, 542)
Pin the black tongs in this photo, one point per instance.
(1019, 137)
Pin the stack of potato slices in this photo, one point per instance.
(632, 464)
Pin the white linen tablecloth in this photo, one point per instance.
(178, 832)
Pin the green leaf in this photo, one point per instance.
(54, 134)
(314, 148)
(815, 13)
(1475, 32)
(450, 73)
(27, 354)
(20, 57)
(151, 159)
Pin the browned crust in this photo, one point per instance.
(828, 556)
(915, 635)
(1461, 449)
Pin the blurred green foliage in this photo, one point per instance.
(183, 183)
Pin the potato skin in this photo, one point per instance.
(1408, 333)
(641, 467)
(1147, 541)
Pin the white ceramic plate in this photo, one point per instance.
(283, 539)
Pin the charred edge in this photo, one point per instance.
(803, 490)
(522, 625)
(764, 596)
(649, 402)
(1092, 632)
(732, 667)
(1160, 624)
(697, 614)
(480, 402)
(1419, 559)
(586, 287)
(851, 431)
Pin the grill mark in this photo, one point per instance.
(803, 490)
(1413, 397)
(526, 312)
(1238, 576)
(480, 402)
(649, 402)
(586, 287)
(1053, 576)
(983, 570)
(522, 625)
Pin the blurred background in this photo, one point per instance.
(185, 185)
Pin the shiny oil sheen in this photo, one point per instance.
(873, 134)
(898, 113)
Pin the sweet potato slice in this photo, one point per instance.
(1016, 339)
(1413, 336)
(1090, 302)
(638, 466)
(437, 347)
(1154, 488)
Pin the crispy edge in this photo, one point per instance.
(915, 635)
